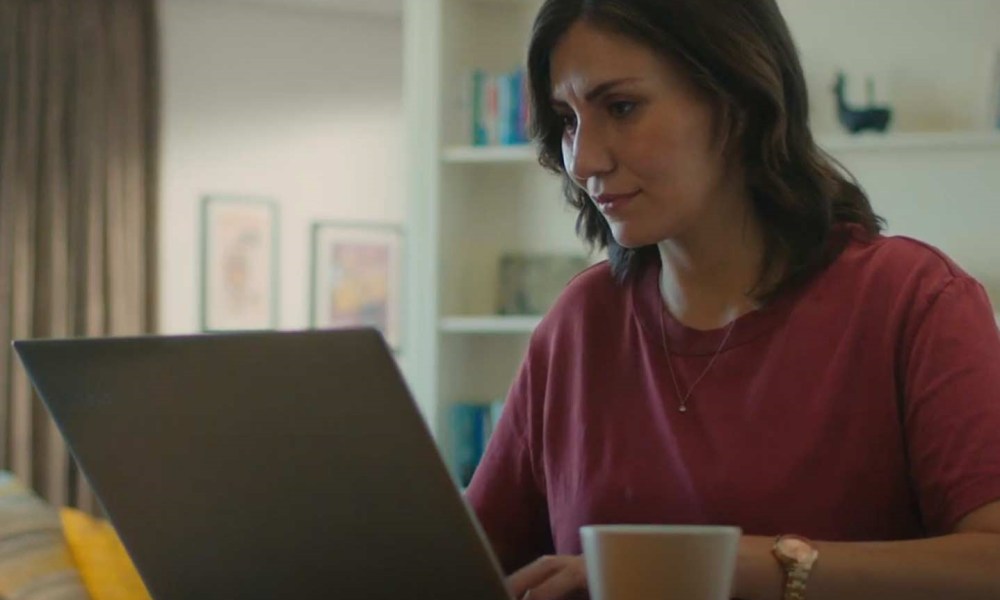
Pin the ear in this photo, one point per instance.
(730, 129)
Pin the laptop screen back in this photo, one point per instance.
(264, 465)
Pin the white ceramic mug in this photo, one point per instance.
(660, 562)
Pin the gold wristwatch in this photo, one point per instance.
(797, 556)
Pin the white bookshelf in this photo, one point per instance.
(489, 324)
(938, 141)
(469, 205)
(489, 154)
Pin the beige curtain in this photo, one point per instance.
(78, 186)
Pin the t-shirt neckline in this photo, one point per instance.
(648, 308)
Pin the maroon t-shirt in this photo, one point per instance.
(863, 406)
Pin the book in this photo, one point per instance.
(480, 136)
(471, 425)
(528, 284)
(499, 114)
(504, 101)
(468, 439)
(995, 99)
(523, 107)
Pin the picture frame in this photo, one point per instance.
(239, 263)
(356, 277)
(529, 283)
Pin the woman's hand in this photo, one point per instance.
(550, 578)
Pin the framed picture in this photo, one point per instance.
(239, 266)
(530, 283)
(356, 277)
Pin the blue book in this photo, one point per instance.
(996, 90)
(480, 134)
(514, 88)
(468, 437)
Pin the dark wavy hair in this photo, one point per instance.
(741, 53)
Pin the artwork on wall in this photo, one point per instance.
(530, 283)
(356, 277)
(239, 265)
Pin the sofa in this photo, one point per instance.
(53, 553)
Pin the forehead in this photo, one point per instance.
(586, 56)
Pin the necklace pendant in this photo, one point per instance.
(683, 408)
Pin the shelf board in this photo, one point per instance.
(933, 141)
(488, 324)
(866, 142)
(490, 154)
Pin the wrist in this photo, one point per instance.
(758, 575)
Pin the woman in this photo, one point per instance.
(754, 352)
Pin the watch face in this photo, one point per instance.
(797, 550)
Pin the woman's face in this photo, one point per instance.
(638, 136)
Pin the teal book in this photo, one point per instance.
(480, 134)
(468, 439)
(503, 108)
(514, 108)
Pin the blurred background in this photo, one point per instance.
(184, 166)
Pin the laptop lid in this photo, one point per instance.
(264, 465)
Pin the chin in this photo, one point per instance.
(632, 237)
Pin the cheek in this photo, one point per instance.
(681, 158)
(655, 156)
(677, 137)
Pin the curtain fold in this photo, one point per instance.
(79, 129)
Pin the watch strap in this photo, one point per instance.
(795, 583)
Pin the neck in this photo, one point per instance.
(707, 274)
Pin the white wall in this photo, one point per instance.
(302, 105)
(932, 58)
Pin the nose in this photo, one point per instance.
(587, 155)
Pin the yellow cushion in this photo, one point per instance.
(105, 567)
(34, 559)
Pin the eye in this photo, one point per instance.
(621, 108)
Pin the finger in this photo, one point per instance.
(560, 585)
(533, 574)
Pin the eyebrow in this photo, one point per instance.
(600, 90)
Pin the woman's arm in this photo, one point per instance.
(963, 565)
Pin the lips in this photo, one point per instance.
(615, 198)
(612, 204)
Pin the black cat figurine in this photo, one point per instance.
(856, 120)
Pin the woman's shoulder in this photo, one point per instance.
(899, 259)
(897, 272)
(595, 279)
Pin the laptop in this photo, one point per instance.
(265, 465)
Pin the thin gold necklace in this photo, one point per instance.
(683, 398)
